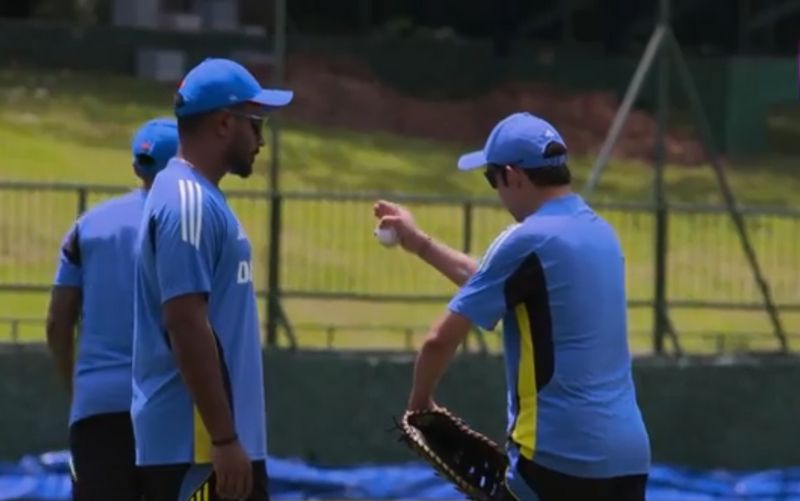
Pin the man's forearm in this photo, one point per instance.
(453, 264)
(63, 313)
(60, 340)
(198, 361)
(432, 360)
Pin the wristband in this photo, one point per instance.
(225, 441)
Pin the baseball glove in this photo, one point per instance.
(471, 461)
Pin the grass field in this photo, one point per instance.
(74, 128)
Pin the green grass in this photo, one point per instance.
(69, 127)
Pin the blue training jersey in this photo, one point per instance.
(558, 282)
(97, 256)
(191, 242)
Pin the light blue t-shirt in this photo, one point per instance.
(191, 242)
(558, 282)
(97, 256)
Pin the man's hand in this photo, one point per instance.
(453, 264)
(402, 221)
(233, 470)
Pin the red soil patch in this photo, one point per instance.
(344, 93)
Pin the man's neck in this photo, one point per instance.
(202, 161)
(545, 195)
(553, 192)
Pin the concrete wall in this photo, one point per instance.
(337, 409)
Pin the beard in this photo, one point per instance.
(243, 170)
(241, 164)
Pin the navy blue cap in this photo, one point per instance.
(218, 83)
(521, 140)
(157, 139)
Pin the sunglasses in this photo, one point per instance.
(491, 172)
(256, 121)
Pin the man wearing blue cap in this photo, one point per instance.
(94, 283)
(557, 280)
(198, 400)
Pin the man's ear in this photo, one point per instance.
(514, 176)
(223, 123)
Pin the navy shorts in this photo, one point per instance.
(103, 459)
(528, 481)
(169, 482)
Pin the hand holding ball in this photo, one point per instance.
(387, 236)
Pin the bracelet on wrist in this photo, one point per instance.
(225, 441)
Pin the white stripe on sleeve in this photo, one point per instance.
(490, 252)
(192, 210)
(199, 223)
(191, 194)
(184, 229)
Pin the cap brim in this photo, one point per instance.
(472, 160)
(270, 97)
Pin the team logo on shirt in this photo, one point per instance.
(244, 272)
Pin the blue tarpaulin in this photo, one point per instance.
(46, 478)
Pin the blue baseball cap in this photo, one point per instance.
(156, 140)
(521, 140)
(217, 83)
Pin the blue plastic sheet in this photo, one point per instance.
(46, 478)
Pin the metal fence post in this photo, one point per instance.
(274, 312)
(466, 245)
(273, 272)
(83, 196)
(660, 240)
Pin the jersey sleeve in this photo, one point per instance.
(69, 272)
(186, 238)
(482, 299)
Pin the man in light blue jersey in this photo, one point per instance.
(94, 284)
(557, 280)
(198, 396)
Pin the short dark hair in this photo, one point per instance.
(187, 124)
(556, 175)
(190, 123)
(144, 160)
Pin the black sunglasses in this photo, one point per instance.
(256, 121)
(491, 174)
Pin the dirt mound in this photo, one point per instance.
(344, 93)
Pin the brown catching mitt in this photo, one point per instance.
(471, 461)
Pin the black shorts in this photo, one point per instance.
(164, 482)
(104, 458)
(550, 485)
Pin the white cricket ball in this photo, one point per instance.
(387, 236)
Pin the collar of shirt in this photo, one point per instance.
(565, 204)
